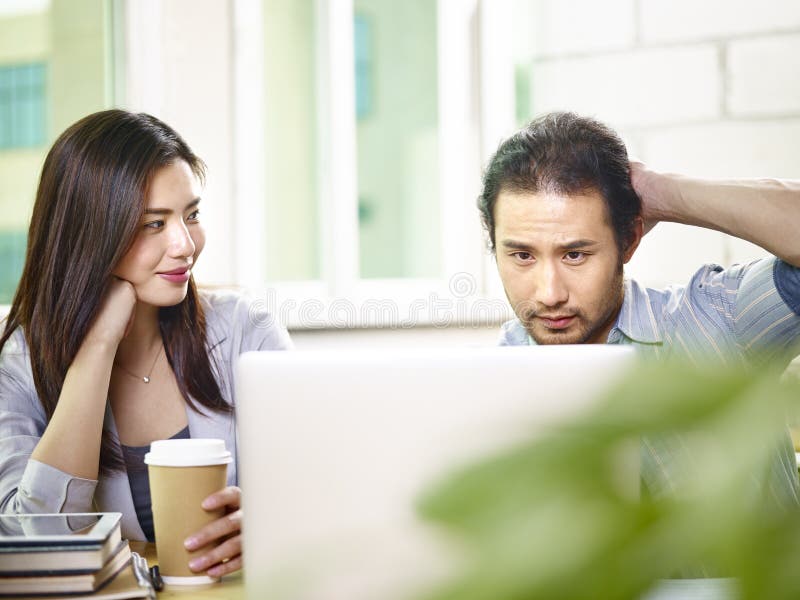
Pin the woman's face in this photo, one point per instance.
(169, 240)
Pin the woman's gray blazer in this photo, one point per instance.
(235, 324)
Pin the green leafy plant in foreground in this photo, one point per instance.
(551, 518)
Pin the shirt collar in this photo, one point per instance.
(636, 319)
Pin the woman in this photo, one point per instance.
(108, 344)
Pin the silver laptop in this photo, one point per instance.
(336, 446)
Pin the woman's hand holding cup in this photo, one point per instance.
(183, 476)
(223, 535)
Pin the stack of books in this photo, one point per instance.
(55, 554)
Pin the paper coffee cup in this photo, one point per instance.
(182, 474)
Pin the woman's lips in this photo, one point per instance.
(176, 276)
(557, 322)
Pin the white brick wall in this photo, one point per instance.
(681, 20)
(764, 75)
(632, 88)
(703, 87)
(721, 149)
(727, 149)
(671, 253)
(569, 26)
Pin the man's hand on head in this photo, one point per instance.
(659, 193)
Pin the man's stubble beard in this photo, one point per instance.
(589, 329)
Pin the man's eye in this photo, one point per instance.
(194, 215)
(575, 256)
(525, 256)
(154, 224)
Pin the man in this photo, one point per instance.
(565, 210)
(561, 204)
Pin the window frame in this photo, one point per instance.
(239, 246)
(459, 133)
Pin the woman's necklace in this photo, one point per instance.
(144, 378)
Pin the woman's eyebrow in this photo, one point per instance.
(166, 211)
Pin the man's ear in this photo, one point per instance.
(637, 233)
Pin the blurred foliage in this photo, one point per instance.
(553, 518)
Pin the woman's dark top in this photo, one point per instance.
(140, 484)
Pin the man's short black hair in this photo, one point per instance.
(564, 153)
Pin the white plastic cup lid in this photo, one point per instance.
(188, 453)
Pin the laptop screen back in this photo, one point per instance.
(336, 447)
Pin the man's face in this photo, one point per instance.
(560, 265)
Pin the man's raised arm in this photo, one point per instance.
(763, 211)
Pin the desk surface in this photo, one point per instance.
(231, 587)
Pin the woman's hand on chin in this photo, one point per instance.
(115, 315)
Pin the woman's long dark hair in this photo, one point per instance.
(87, 212)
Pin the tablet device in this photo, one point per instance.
(56, 529)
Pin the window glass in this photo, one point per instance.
(292, 229)
(24, 47)
(22, 108)
(523, 45)
(55, 67)
(397, 141)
